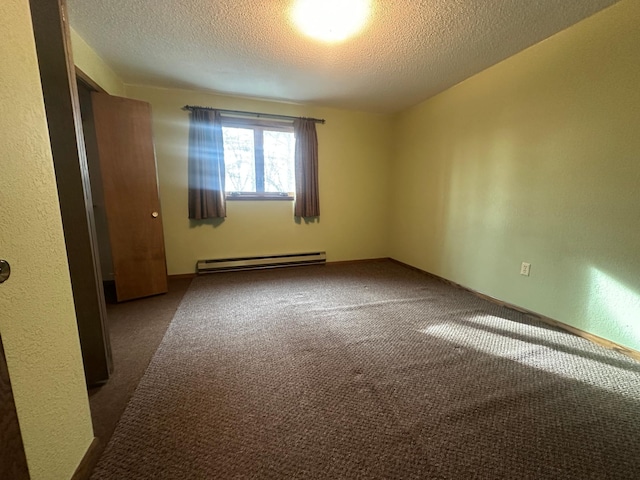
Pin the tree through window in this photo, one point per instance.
(259, 157)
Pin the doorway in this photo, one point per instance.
(85, 88)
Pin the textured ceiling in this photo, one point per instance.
(409, 51)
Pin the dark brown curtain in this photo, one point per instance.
(206, 165)
(306, 164)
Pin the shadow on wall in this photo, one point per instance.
(209, 222)
(478, 203)
(307, 220)
(502, 202)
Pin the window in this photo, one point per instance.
(258, 158)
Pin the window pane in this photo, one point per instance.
(279, 150)
(239, 160)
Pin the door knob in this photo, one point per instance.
(5, 270)
(154, 214)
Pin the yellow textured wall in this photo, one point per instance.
(87, 60)
(353, 155)
(536, 159)
(37, 318)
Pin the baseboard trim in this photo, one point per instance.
(88, 462)
(341, 262)
(635, 354)
(181, 276)
(364, 260)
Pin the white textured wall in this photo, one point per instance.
(37, 318)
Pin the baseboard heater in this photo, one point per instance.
(261, 262)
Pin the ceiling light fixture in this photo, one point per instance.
(330, 21)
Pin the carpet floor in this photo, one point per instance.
(136, 329)
(371, 371)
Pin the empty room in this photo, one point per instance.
(320, 239)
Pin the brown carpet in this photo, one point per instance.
(136, 329)
(371, 371)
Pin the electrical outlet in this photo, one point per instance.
(525, 268)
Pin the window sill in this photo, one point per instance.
(260, 196)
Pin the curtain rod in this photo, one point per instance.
(252, 114)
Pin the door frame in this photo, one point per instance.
(57, 76)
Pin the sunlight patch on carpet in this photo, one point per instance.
(529, 345)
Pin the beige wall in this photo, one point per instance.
(37, 320)
(536, 159)
(353, 149)
(87, 60)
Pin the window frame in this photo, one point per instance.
(258, 126)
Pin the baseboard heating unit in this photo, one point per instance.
(265, 261)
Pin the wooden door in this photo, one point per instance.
(128, 169)
(13, 462)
